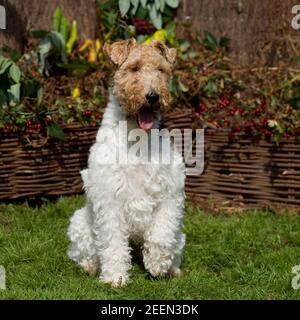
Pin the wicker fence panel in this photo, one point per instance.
(32, 167)
(242, 171)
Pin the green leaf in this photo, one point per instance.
(280, 127)
(57, 17)
(64, 28)
(15, 73)
(76, 66)
(13, 54)
(155, 17)
(38, 34)
(124, 6)
(144, 3)
(56, 131)
(157, 4)
(40, 96)
(31, 88)
(14, 92)
(5, 64)
(59, 44)
(224, 42)
(210, 88)
(184, 46)
(72, 40)
(172, 3)
(274, 101)
(210, 41)
(135, 4)
(277, 138)
(182, 87)
(141, 12)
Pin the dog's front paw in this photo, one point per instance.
(174, 272)
(116, 280)
(157, 260)
(89, 266)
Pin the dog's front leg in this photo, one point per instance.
(111, 239)
(164, 240)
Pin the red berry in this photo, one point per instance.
(98, 115)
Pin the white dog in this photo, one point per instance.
(135, 201)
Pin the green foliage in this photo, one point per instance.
(157, 11)
(56, 131)
(51, 50)
(73, 38)
(55, 46)
(14, 86)
(112, 24)
(212, 44)
(10, 78)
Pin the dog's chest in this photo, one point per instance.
(145, 188)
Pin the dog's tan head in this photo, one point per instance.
(141, 79)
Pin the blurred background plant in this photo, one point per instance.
(62, 77)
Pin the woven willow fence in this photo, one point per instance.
(244, 171)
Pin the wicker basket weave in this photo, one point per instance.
(243, 171)
(31, 167)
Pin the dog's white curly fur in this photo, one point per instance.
(141, 203)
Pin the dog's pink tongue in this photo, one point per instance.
(145, 119)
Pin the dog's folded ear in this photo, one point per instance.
(169, 53)
(117, 52)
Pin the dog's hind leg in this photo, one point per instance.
(82, 247)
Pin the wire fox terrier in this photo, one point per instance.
(133, 202)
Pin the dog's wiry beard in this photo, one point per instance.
(136, 108)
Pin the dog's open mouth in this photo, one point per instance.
(145, 118)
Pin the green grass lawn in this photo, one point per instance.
(226, 257)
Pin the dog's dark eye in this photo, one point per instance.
(161, 70)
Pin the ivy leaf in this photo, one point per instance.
(56, 131)
(15, 73)
(124, 6)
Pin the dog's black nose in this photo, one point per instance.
(152, 97)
